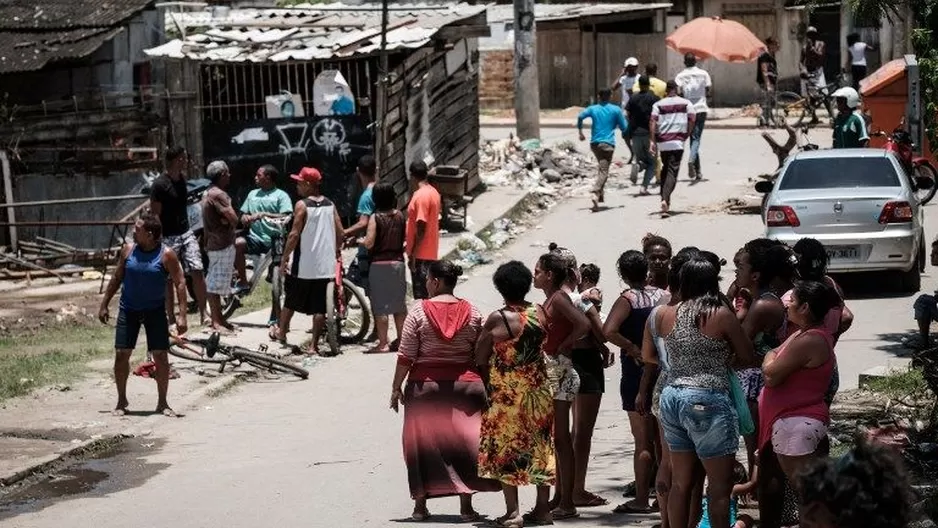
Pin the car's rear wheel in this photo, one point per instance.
(912, 280)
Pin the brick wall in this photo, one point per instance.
(496, 83)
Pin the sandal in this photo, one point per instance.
(510, 523)
(628, 507)
(533, 520)
(593, 502)
(559, 515)
(470, 517)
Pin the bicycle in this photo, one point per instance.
(348, 314)
(790, 104)
(256, 266)
(212, 351)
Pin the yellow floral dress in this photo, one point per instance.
(515, 445)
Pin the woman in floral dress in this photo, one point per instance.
(515, 445)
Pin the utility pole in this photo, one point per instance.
(527, 95)
(383, 82)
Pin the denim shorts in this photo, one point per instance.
(699, 420)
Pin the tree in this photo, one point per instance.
(924, 43)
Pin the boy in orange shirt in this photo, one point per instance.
(423, 228)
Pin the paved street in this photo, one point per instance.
(326, 452)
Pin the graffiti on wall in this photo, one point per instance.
(332, 144)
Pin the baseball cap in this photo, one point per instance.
(811, 29)
(631, 61)
(308, 175)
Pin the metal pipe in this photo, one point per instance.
(66, 223)
(9, 205)
(383, 76)
(8, 197)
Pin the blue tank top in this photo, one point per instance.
(642, 302)
(144, 284)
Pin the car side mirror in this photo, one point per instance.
(921, 182)
(764, 187)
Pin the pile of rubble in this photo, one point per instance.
(530, 166)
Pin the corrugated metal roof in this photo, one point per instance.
(544, 12)
(24, 15)
(306, 32)
(22, 51)
(37, 32)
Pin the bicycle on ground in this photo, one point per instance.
(212, 351)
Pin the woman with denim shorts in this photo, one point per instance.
(703, 339)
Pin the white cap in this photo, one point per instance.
(851, 97)
(631, 61)
(811, 29)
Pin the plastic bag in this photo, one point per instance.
(746, 425)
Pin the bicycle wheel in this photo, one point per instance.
(925, 171)
(276, 290)
(357, 321)
(195, 350)
(269, 363)
(788, 105)
(332, 319)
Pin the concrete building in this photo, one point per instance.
(580, 49)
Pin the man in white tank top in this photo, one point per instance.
(310, 255)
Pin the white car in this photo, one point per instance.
(859, 203)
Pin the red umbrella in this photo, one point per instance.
(714, 37)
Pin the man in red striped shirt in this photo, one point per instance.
(672, 119)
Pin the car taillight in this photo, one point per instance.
(780, 216)
(896, 213)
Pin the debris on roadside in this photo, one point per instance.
(561, 170)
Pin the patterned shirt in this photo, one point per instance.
(672, 115)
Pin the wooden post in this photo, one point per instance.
(527, 95)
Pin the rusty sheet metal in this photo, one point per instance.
(66, 14)
(32, 50)
(306, 33)
(545, 12)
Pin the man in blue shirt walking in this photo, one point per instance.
(606, 117)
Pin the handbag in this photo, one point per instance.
(746, 425)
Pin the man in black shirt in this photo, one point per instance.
(638, 111)
(168, 201)
(766, 78)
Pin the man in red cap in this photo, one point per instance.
(310, 255)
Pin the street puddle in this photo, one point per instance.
(116, 469)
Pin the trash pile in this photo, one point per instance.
(529, 165)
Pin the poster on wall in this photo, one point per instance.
(332, 95)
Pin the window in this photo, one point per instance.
(835, 172)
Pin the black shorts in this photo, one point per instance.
(630, 383)
(154, 323)
(307, 296)
(254, 246)
(418, 278)
(588, 363)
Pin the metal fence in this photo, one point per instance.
(237, 92)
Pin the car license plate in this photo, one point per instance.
(843, 252)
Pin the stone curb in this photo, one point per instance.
(93, 445)
(523, 202)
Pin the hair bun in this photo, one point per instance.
(552, 246)
(457, 270)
